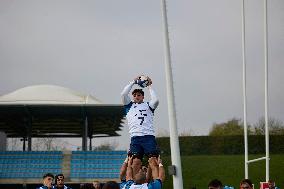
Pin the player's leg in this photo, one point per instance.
(151, 150)
(150, 146)
(137, 152)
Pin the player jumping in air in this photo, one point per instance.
(140, 117)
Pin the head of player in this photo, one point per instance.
(138, 95)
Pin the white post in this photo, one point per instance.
(174, 141)
(244, 90)
(266, 90)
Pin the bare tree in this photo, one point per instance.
(276, 127)
(48, 144)
(14, 144)
(107, 146)
(162, 133)
(186, 132)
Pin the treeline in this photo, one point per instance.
(235, 126)
(214, 145)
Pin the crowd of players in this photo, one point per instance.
(151, 176)
(244, 184)
(148, 177)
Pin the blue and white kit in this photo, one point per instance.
(139, 116)
(156, 184)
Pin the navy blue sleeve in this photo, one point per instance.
(127, 107)
(152, 110)
(127, 184)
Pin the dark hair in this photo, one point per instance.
(138, 91)
(248, 181)
(215, 183)
(140, 178)
(58, 175)
(48, 175)
(111, 185)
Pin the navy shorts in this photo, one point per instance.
(141, 145)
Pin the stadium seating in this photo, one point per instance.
(83, 164)
(19, 164)
(96, 164)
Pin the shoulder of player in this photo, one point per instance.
(129, 104)
(156, 183)
(45, 187)
(127, 184)
(67, 187)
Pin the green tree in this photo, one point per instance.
(276, 127)
(232, 127)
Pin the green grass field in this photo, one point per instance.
(199, 170)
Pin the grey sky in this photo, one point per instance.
(97, 47)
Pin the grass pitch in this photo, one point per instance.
(199, 170)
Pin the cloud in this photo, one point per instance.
(98, 46)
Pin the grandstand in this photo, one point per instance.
(52, 111)
(29, 165)
(27, 168)
(96, 164)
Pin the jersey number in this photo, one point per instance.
(141, 114)
(142, 119)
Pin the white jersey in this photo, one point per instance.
(52, 187)
(139, 116)
(133, 186)
(142, 186)
(156, 184)
(140, 119)
(45, 187)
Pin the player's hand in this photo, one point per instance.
(152, 160)
(136, 79)
(150, 81)
(130, 160)
(126, 160)
(160, 160)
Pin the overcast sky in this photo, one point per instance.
(98, 46)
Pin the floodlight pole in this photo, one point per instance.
(174, 141)
(266, 89)
(244, 90)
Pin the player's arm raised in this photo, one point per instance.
(162, 174)
(154, 102)
(154, 167)
(129, 171)
(124, 94)
(123, 169)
